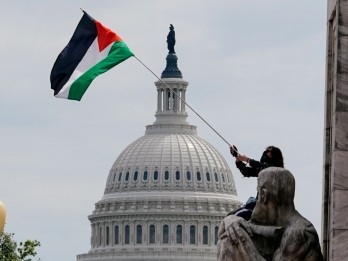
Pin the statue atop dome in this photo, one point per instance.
(171, 70)
(171, 39)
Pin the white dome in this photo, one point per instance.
(174, 162)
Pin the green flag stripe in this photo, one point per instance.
(117, 54)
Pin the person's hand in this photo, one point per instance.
(234, 151)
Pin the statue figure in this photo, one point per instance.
(276, 231)
(171, 39)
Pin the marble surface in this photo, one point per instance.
(335, 194)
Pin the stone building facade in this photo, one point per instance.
(335, 178)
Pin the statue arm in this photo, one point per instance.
(298, 245)
(235, 242)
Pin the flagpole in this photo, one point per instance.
(184, 102)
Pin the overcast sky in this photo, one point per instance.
(256, 73)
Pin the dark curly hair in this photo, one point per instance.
(277, 156)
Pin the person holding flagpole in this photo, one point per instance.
(271, 157)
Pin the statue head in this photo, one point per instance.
(276, 192)
(171, 27)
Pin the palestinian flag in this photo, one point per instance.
(92, 50)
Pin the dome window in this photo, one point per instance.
(107, 236)
(126, 234)
(188, 175)
(155, 175)
(165, 234)
(135, 178)
(100, 236)
(205, 235)
(208, 176)
(114, 177)
(166, 175)
(177, 175)
(152, 237)
(216, 177)
(127, 176)
(179, 234)
(139, 234)
(120, 177)
(145, 175)
(198, 175)
(116, 235)
(216, 234)
(223, 177)
(192, 235)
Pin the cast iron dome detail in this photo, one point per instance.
(166, 193)
(171, 70)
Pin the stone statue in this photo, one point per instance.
(171, 39)
(276, 231)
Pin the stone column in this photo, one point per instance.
(335, 176)
(183, 99)
(159, 99)
(165, 99)
(175, 100)
(93, 236)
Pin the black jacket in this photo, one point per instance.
(253, 170)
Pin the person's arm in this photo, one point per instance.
(245, 170)
(257, 164)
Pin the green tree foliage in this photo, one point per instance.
(11, 251)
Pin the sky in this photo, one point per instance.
(256, 73)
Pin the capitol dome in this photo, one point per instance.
(167, 192)
(171, 161)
